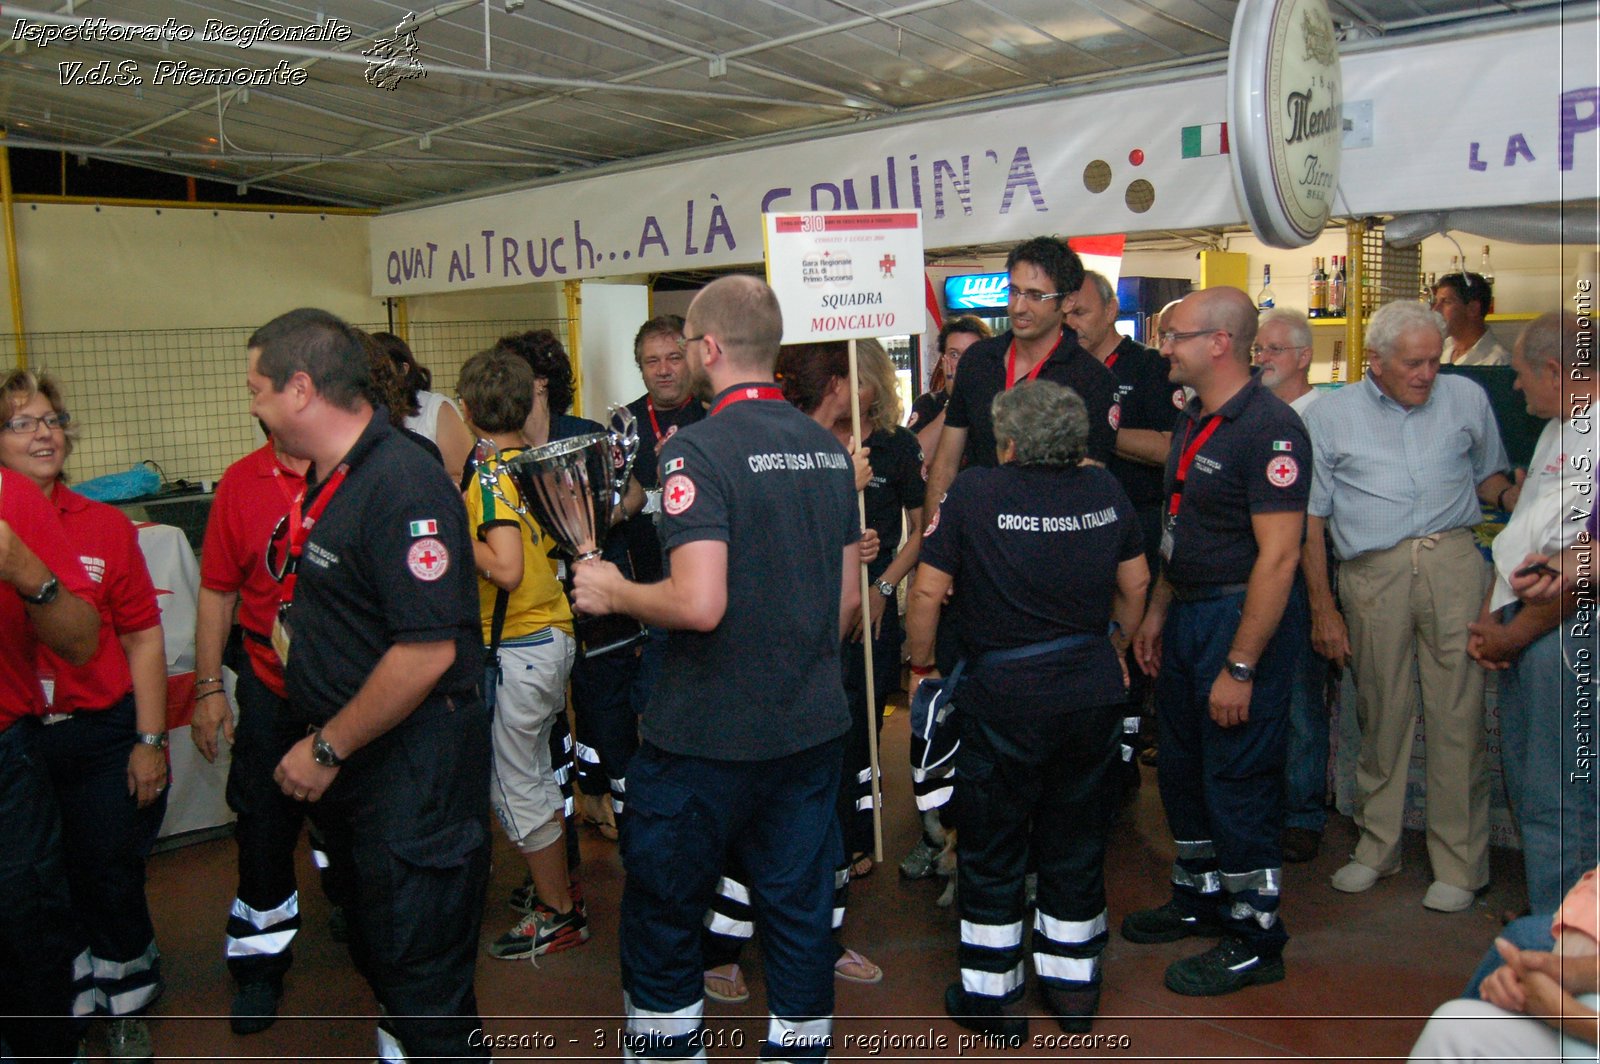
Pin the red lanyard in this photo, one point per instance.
(1111, 359)
(280, 478)
(751, 391)
(655, 426)
(1011, 364)
(300, 527)
(1186, 458)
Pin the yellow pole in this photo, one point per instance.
(402, 319)
(574, 299)
(1355, 302)
(13, 281)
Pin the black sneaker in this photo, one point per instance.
(255, 1007)
(984, 1016)
(1168, 923)
(1228, 966)
(542, 931)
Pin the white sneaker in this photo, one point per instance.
(1444, 898)
(1356, 877)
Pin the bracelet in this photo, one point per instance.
(921, 670)
(207, 694)
(208, 679)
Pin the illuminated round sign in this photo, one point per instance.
(1285, 117)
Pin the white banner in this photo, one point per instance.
(846, 274)
(1492, 120)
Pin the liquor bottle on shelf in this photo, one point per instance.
(1266, 299)
(1317, 295)
(1336, 289)
(1487, 271)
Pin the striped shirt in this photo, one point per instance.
(1383, 473)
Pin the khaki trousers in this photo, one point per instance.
(1413, 602)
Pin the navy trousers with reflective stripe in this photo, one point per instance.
(1222, 788)
(777, 817)
(106, 838)
(1021, 798)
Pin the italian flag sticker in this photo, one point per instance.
(424, 528)
(1200, 141)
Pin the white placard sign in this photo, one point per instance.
(844, 274)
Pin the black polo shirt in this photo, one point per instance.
(896, 486)
(1258, 460)
(779, 490)
(389, 561)
(1146, 398)
(983, 376)
(927, 406)
(1034, 553)
(644, 546)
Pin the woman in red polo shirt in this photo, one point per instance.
(104, 743)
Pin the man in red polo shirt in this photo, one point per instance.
(236, 564)
(44, 598)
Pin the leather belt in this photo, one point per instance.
(1201, 592)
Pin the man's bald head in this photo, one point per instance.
(741, 313)
(1231, 311)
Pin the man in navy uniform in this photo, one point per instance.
(380, 632)
(741, 741)
(1221, 643)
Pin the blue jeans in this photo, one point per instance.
(1544, 706)
(1305, 770)
(1525, 932)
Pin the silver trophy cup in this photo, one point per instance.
(573, 486)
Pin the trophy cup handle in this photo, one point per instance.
(624, 446)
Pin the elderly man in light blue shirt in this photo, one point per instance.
(1400, 462)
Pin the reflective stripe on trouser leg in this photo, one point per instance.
(1130, 727)
(1195, 879)
(662, 1035)
(123, 988)
(619, 797)
(1253, 897)
(1066, 953)
(84, 1000)
(791, 1040)
(932, 790)
(730, 915)
(990, 956)
(841, 894)
(258, 933)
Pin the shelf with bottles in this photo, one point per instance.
(1491, 319)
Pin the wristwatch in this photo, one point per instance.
(322, 751)
(155, 739)
(47, 592)
(1241, 672)
(886, 589)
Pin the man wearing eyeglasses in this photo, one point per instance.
(385, 735)
(251, 504)
(1045, 276)
(1463, 300)
(1282, 351)
(1218, 637)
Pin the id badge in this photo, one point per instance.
(281, 634)
(1166, 537)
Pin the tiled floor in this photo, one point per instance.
(1364, 971)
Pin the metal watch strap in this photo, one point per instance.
(46, 594)
(886, 589)
(155, 739)
(1241, 672)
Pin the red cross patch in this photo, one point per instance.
(1179, 399)
(428, 559)
(1283, 471)
(677, 494)
(1114, 416)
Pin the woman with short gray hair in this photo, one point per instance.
(1047, 558)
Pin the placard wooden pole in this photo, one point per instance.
(866, 627)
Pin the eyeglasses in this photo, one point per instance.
(27, 425)
(277, 559)
(1273, 349)
(685, 341)
(1021, 295)
(1168, 336)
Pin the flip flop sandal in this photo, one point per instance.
(852, 967)
(727, 985)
